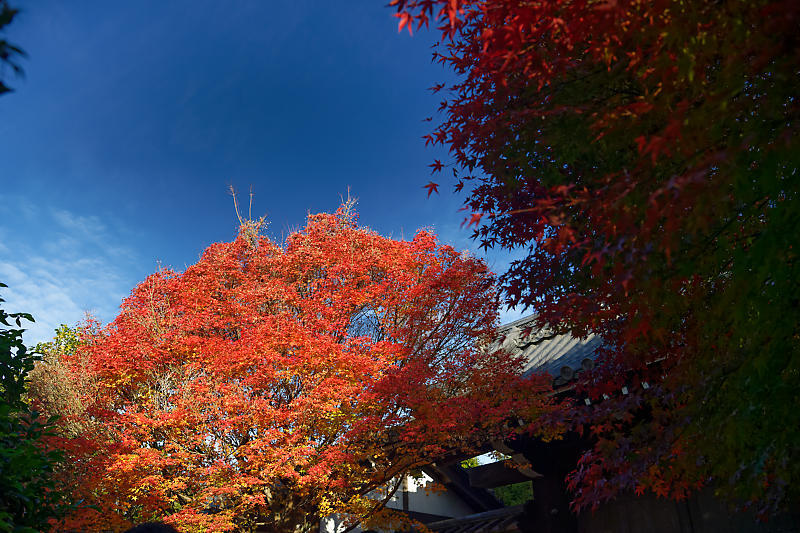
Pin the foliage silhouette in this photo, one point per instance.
(645, 156)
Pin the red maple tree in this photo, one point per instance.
(273, 385)
(645, 154)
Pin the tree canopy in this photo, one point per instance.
(645, 156)
(273, 385)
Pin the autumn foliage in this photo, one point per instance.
(645, 155)
(273, 385)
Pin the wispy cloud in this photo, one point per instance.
(59, 266)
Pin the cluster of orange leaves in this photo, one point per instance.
(276, 385)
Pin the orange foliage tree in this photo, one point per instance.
(270, 386)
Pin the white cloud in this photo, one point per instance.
(59, 265)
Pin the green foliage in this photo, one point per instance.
(15, 361)
(65, 341)
(472, 462)
(515, 494)
(27, 500)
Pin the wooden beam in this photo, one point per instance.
(498, 474)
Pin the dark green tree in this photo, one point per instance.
(27, 498)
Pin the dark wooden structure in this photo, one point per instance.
(564, 357)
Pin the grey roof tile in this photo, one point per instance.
(545, 351)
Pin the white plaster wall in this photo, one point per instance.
(422, 497)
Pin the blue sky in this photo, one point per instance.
(118, 146)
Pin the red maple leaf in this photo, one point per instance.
(432, 188)
(474, 219)
(436, 166)
(405, 21)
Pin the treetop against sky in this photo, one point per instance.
(285, 384)
(132, 119)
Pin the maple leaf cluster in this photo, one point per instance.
(645, 154)
(269, 386)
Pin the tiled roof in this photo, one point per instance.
(499, 521)
(560, 355)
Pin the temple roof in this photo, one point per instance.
(498, 521)
(561, 355)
